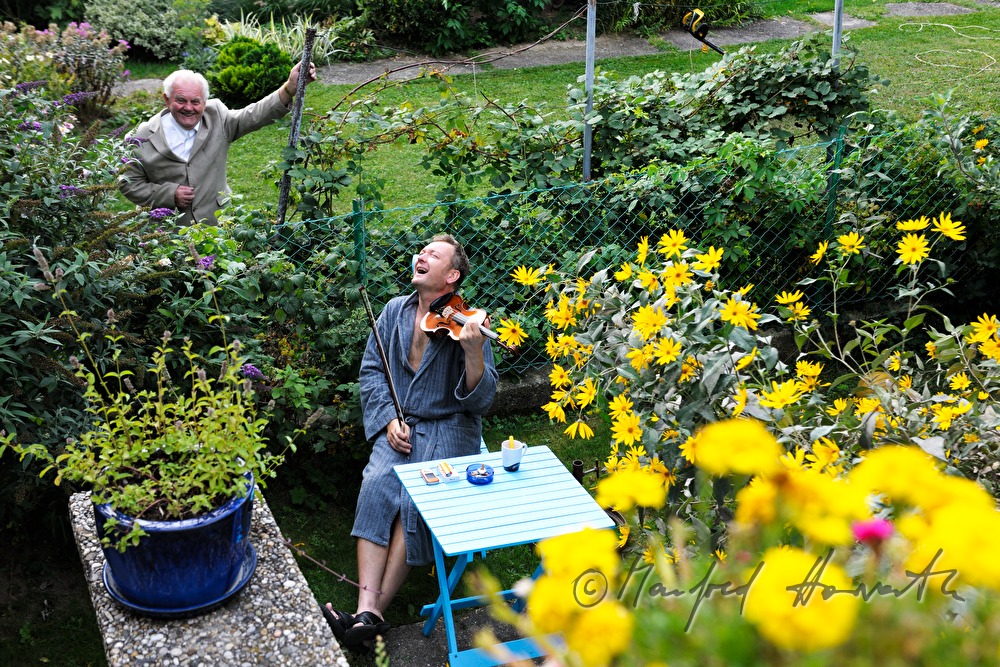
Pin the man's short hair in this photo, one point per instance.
(177, 76)
(459, 260)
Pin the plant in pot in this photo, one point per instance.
(172, 469)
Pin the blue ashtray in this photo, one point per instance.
(479, 473)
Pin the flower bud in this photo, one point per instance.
(40, 258)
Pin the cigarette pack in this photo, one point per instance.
(447, 472)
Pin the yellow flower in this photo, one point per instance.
(984, 328)
(623, 533)
(743, 291)
(741, 446)
(710, 260)
(689, 369)
(555, 411)
(511, 333)
(529, 277)
(643, 250)
(851, 243)
(991, 348)
(558, 376)
(977, 129)
(586, 393)
(571, 554)
(931, 349)
(817, 256)
(799, 312)
(745, 360)
(867, 404)
(648, 280)
(959, 382)
(627, 429)
(913, 225)
(667, 351)
(689, 449)
(945, 226)
(600, 633)
(740, 314)
(624, 490)
(786, 298)
(804, 368)
(905, 382)
(894, 361)
(640, 357)
(676, 274)
(720, 555)
(619, 405)
(981, 144)
(803, 619)
(945, 413)
(781, 395)
(648, 320)
(624, 273)
(913, 249)
(561, 315)
(839, 405)
(825, 453)
(739, 401)
(672, 243)
(756, 502)
(579, 428)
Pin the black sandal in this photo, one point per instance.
(365, 626)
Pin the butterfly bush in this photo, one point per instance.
(826, 478)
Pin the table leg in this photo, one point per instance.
(434, 611)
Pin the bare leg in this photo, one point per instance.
(381, 571)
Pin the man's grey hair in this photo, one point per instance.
(185, 75)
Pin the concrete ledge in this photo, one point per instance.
(275, 620)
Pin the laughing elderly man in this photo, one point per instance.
(182, 151)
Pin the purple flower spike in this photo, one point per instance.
(206, 262)
(251, 372)
(161, 213)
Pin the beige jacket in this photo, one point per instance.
(152, 178)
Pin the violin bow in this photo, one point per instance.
(381, 354)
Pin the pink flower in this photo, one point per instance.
(873, 531)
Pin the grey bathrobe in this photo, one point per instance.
(445, 421)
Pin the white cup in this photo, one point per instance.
(511, 453)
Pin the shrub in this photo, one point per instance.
(336, 40)
(247, 70)
(158, 26)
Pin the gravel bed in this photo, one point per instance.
(275, 620)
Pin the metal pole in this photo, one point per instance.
(588, 133)
(838, 31)
(293, 135)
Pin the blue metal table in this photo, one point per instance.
(538, 501)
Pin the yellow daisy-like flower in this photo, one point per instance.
(561, 315)
(623, 533)
(913, 225)
(619, 405)
(913, 249)
(991, 349)
(648, 280)
(893, 363)
(720, 555)
(825, 453)
(746, 359)
(960, 382)
(640, 357)
(648, 320)
(817, 256)
(953, 229)
(977, 129)
(529, 277)
(677, 274)
(786, 298)
(931, 349)
(945, 413)
(981, 144)
(627, 429)
(672, 243)
(555, 411)
(579, 428)
(586, 393)
(511, 333)
(799, 312)
(739, 401)
(740, 314)
(689, 369)
(984, 328)
(781, 395)
(740, 446)
(559, 376)
(643, 250)
(851, 243)
(905, 382)
(805, 368)
(689, 449)
(743, 291)
(867, 404)
(667, 351)
(709, 261)
(624, 273)
(625, 489)
(839, 405)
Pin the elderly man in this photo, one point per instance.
(445, 386)
(182, 151)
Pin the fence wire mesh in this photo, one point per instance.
(769, 211)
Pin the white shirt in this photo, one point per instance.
(179, 140)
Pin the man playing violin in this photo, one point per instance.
(444, 387)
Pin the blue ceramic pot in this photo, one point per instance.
(181, 564)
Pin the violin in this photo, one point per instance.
(449, 313)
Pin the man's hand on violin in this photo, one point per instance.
(471, 337)
(398, 435)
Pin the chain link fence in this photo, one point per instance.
(768, 210)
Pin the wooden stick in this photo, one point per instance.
(293, 134)
(381, 353)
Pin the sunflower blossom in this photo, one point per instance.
(817, 256)
(522, 275)
(913, 225)
(913, 249)
(672, 243)
(740, 314)
(511, 333)
(643, 250)
(667, 351)
(984, 328)
(627, 429)
(799, 312)
(787, 298)
(709, 261)
(953, 229)
(781, 395)
(648, 320)
(619, 405)
(579, 428)
(624, 273)
(851, 243)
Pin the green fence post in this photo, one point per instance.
(360, 238)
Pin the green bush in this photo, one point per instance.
(161, 27)
(247, 70)
(652, 18)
